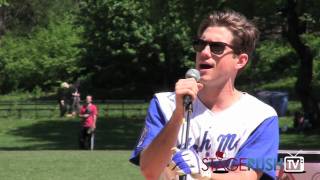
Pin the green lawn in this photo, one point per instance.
(67, 165)
(48, 148)
(44, 149)
(295, 140)
(112, 134)
(62, 134)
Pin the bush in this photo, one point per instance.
(45, 57)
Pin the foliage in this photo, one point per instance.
(45, 57)
(3, 3)
(131, 49)
(313, 40)
(117, 40)
(23, 16)
(271, 58)
(120, 40)
(19, 95)
(141, 39)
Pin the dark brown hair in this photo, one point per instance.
(245, 33)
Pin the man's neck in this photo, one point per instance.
(219, 99)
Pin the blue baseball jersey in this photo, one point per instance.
(244, 134)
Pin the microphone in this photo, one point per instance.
(191, 73)
(187, 102)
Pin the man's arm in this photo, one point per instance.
(188, 162)
(83, 115)
(94, 112)
(238, 175)
(262, 146)
(157, 155)
(94, 121)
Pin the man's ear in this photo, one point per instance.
(242, 61)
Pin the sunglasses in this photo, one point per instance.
(215, 47)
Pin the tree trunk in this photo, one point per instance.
(303, 85)
(2, 21)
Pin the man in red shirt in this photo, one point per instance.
(88, 115)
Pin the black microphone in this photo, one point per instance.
(191, 73)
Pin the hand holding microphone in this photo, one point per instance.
(186, 89)
(191, 73)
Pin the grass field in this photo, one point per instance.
(47, 148)
(32, 149)
(67, 165)
(62, 134)
(295, 140)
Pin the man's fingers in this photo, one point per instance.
(172, 165)
(200, 86)
(180, 172)
(174, 150)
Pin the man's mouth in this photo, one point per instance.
(205, 66)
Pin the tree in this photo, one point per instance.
(139, 38)
(22, 16)
(119, 47)
(45, 58)
(297, 26)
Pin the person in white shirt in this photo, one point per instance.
(230, 130)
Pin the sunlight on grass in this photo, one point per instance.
(286, 121)
(287, 83)
(299, 141)
(71, 165)
(296, 140)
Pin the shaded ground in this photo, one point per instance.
(63, 134)
(298, 140)
(112, 133)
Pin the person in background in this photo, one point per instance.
(88, 114)
(300, 122)
(75, 100)
(63, 98)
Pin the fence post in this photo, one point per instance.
(36, 109)
(122, 109)
(106, 111)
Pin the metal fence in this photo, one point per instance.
(50, 109)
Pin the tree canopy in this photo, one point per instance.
(131, 49)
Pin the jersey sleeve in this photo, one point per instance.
(260, 151)
(154, 122)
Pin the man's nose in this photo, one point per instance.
(206, 52)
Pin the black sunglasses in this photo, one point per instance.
(215, 47)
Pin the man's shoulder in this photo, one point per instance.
(166, 102)
(165, 95)
(166, 98)
(253, 104)
(257, 101)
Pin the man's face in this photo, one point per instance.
(89, 99)
(216, 61)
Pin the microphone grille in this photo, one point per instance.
(193, 73)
